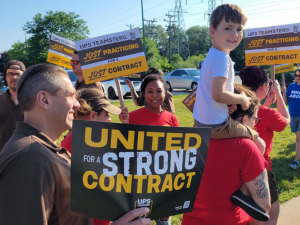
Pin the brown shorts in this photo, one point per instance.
(230, 129)
(273, 187)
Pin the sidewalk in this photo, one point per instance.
(289, 212)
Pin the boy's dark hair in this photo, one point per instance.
(152, 70)
(152, 77)
(253, 106)
(230, 12)
(253, 77)
(75, 52)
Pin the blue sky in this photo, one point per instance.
(110, 16)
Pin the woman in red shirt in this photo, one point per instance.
(154, 89)
(94, 106)
(258, 81)
(229, 164)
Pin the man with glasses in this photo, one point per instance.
(76, 67)
(10, 111)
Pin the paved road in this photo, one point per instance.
(289, 212)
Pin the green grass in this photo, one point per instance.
(283, 153)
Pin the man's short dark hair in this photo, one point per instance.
(46, 77)
(75, 52)
(8, 65)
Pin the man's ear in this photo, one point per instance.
(42, 99)
(211, 31)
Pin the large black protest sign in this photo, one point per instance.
(119, 167)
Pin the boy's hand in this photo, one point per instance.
(231, 108)
(124, 116)
(246, 101)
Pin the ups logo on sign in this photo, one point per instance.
(144, 203)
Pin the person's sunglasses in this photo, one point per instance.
(256, 120)
(296, 75)
(75, 62)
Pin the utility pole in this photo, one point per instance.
(183, 45)
(143, 28)
(150, 26)
(211, 7)
(170, 30)
(130, 26)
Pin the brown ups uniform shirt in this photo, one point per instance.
(10, 113)
(168, 103)
(35, 181)
(80, 85)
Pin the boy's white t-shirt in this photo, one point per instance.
(206, 110)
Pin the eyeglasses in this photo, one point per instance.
(296, 75)
(75, 62)
(10, 75)
(256, 120)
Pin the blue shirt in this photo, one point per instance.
(293, 96)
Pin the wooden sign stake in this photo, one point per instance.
(120, 93)
(273, 72)
(283, 79)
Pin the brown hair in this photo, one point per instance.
(89, 100)
(253, 106)
(230, 12)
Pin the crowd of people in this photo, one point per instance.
(238, 185)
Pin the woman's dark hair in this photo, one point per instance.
(152, 77)
(254, 103)
(253, 77)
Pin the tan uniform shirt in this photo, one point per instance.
(35, 181)
(80, 85)
(168, 103)
(10, 113)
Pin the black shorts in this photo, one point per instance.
(273, 187)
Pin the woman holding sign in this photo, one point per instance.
(230, 163)
(271, 120)
(153, 89)
(94, 106)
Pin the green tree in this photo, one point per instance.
(17, 52)
(68, 25)
(199, 41)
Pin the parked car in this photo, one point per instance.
(72, 76)
(2, 87)
(111, 89)
(183, 79)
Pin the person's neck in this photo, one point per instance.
(298, 83)
(80, 78)
(213, 46)
(154, 110)
(13, 95)
(42, 125)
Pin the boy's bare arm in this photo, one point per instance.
(220, 95)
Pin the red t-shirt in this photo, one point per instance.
(143, 116)
(271, 121)
(229, 163)
(67, 143)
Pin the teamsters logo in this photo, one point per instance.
(132, 35)
(296, 28)
(144, 203)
